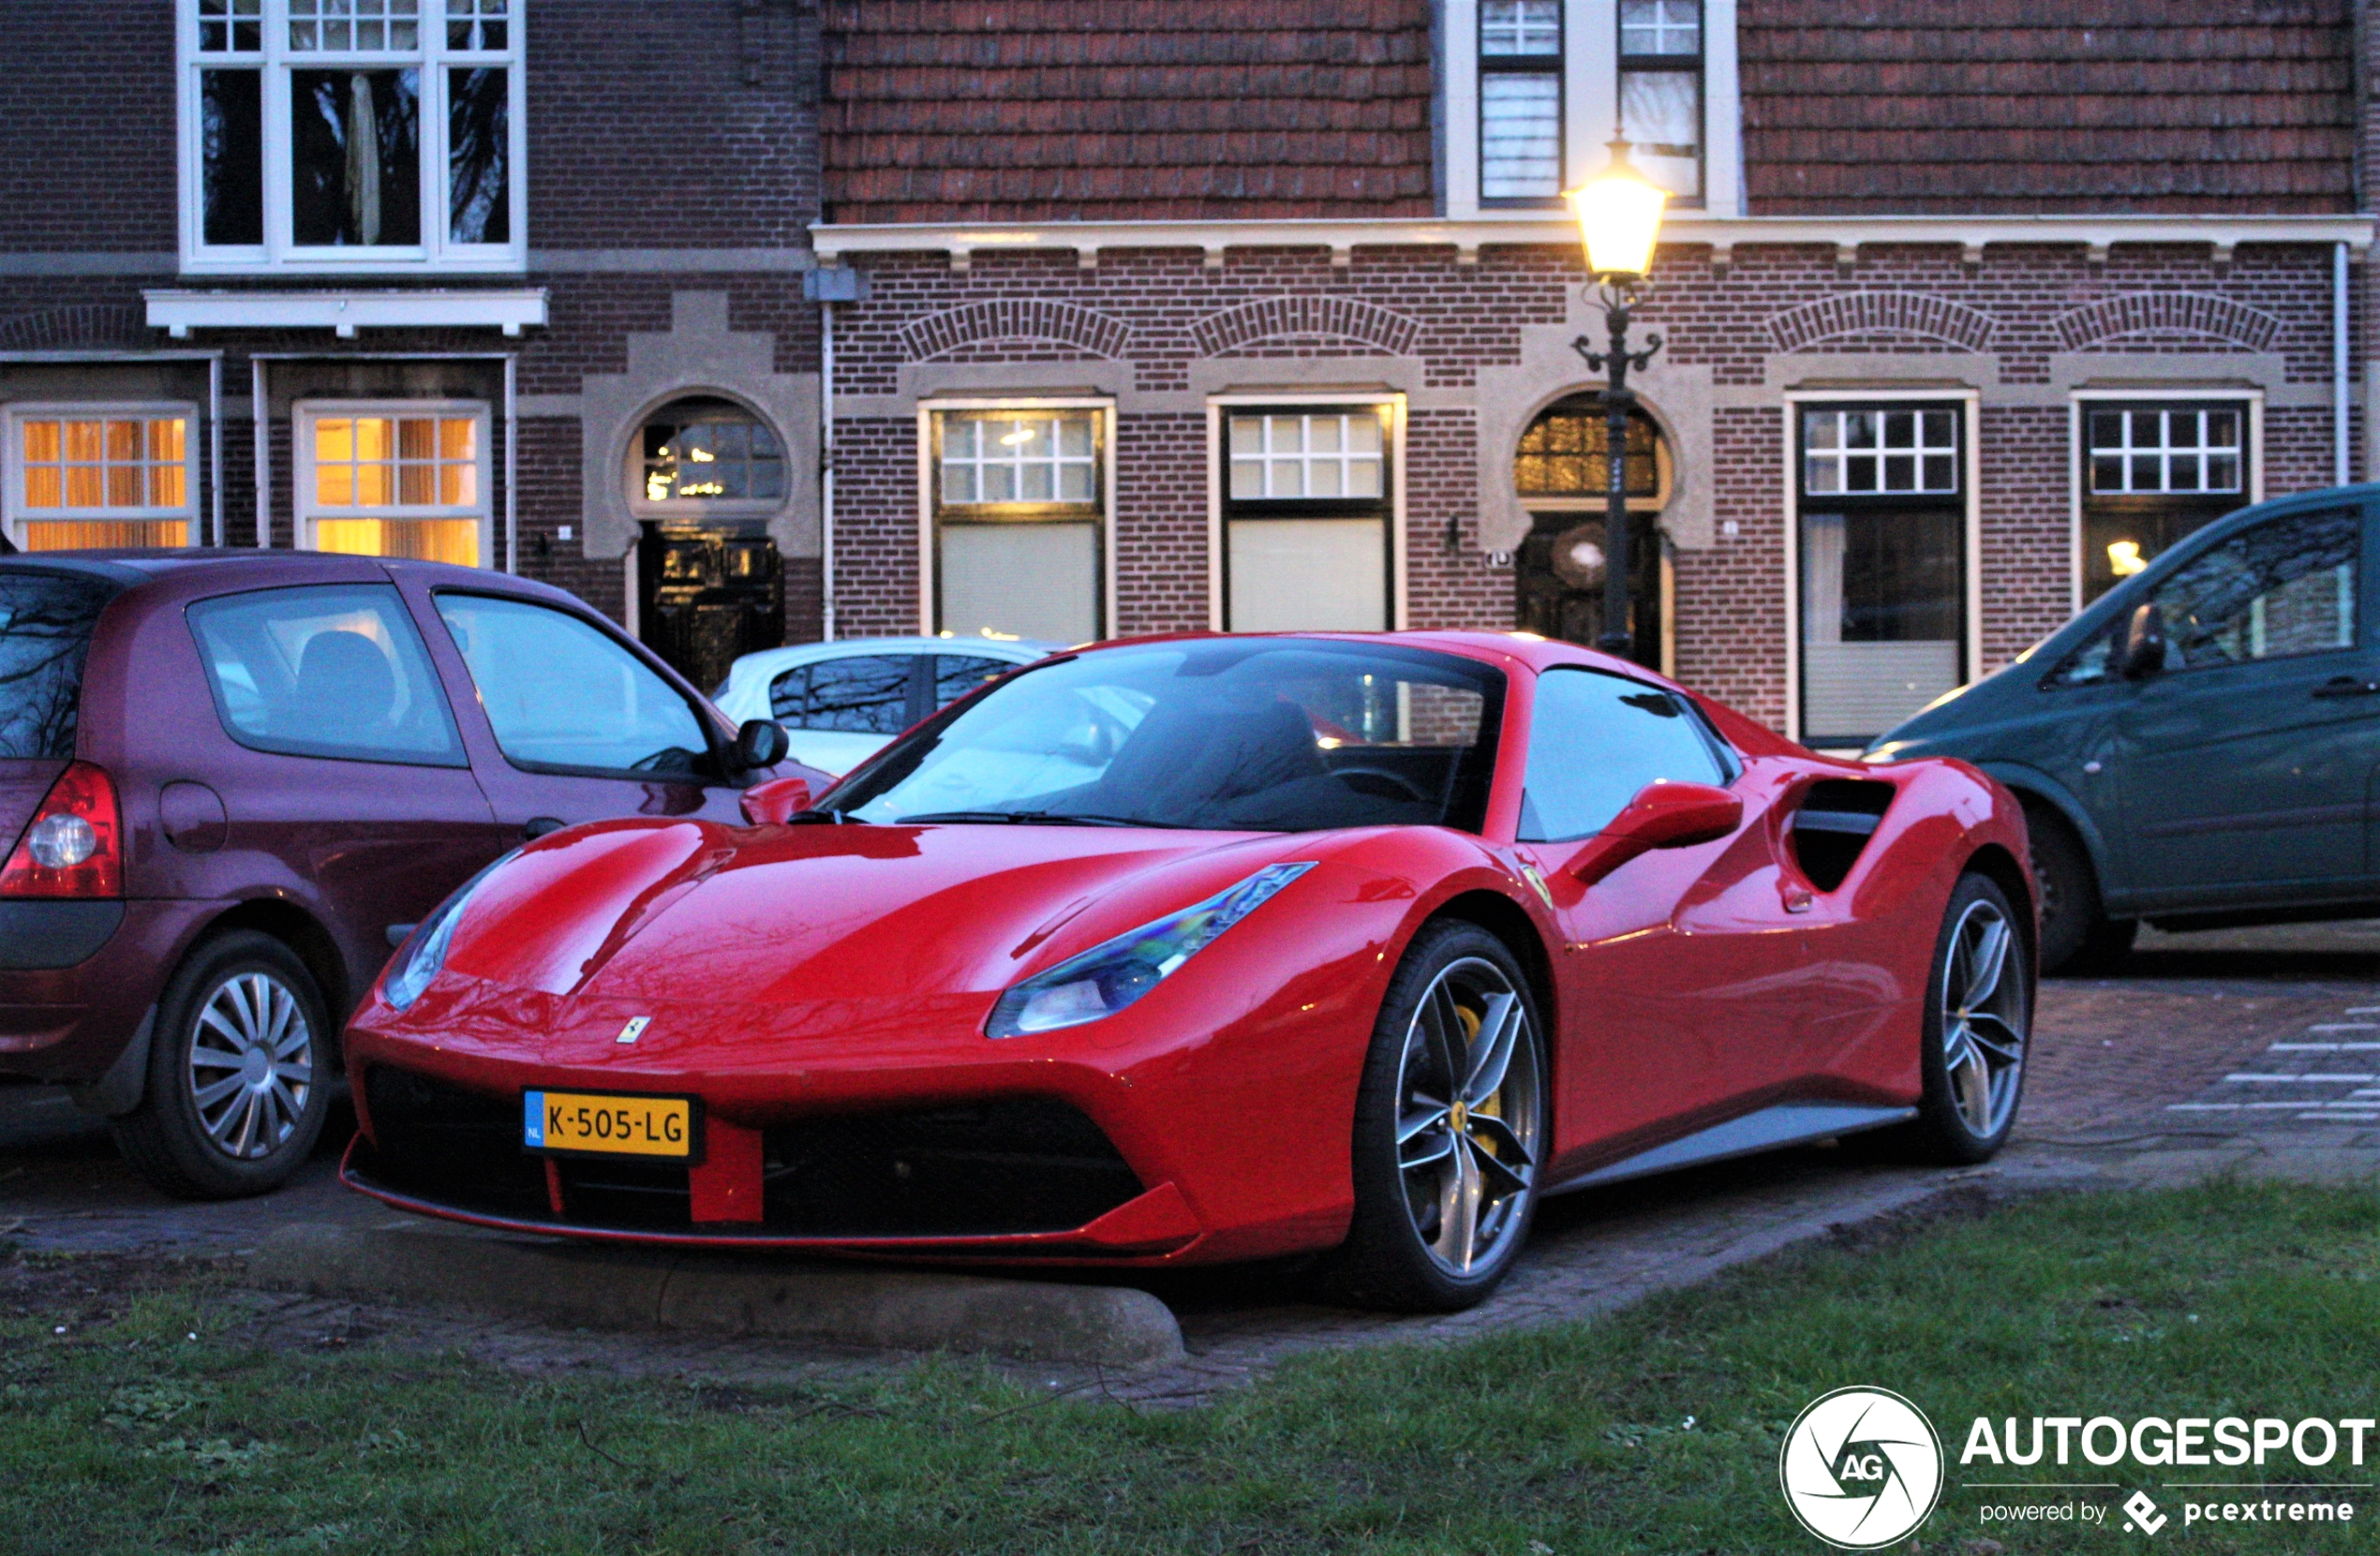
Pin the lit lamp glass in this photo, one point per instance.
(2124, 559)
(1620, 217)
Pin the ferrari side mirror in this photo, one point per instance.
(2144, 648)
(773, 802)
(760, 743)
(1663, 815)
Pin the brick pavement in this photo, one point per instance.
(2132, 1082)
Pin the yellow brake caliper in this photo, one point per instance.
(1491, 1108)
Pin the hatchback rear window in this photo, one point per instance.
(46, 619)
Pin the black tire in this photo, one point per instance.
(167, 1138)
(2076, 935)
(1386, 1262)
(1946, 1129)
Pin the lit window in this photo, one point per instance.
(1305, 520)
(1019, 524)
(1021, 459)
(87, 477)
(708, 453)
(1521, 100)
(395, 481)
(347, 132)
(2154, 473)
(1567, 453)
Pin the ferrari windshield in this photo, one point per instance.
(1259, 735)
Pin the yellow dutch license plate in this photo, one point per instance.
(604, 1123)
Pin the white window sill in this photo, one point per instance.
(345, 312)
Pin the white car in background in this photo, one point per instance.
(839, 701)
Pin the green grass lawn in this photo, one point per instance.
(1654, 1431)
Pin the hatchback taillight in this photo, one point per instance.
(74, 846)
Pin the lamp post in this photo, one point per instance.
(1620, 217)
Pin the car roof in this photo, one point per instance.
(1021, 650)
(193, 569)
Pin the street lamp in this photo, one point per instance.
(1620, 217)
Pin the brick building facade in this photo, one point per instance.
(1146, 317)
(501, 281)
(1295, 280)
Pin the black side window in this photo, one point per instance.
(957, 675)
(789, 696)
(335, 672)
(2285, 588)
(46, 621)
(1595, 740)
(865, 694)
(2092, 664)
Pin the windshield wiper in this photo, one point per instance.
(1016, 818)
(828, 818)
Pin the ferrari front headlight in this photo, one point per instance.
(1108, 977)
(423, 953)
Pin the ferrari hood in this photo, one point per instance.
(691, 911)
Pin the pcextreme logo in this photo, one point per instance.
(1861, 1468)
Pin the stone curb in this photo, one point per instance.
(634, 1289)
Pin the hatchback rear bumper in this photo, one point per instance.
(76, 979)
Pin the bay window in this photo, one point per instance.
(1018, 522)
(351, 134)
(1531, 90)
(406, 479)
(88, 476)
(1307, 518)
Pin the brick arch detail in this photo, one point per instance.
(1015, 319)
(1858, 313)
(2170, 312)
(82, 324)
(1308, 316)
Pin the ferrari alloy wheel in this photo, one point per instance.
(1450, 1126)
(235, 1094)
(1978, 1025)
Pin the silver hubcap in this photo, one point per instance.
(1983, 1019)
(251, 1065)
(1467, 1117)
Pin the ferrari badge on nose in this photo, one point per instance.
(635, 1030)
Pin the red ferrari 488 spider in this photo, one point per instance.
(1216, 948)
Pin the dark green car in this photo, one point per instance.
(2199, 746)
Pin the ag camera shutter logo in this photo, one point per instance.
(1861, 1468)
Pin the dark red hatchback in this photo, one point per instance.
(230, 781)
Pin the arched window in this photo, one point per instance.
(703, 455)
(1565, 455)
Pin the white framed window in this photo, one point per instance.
(1869, 450)
(1519, 101)
(1015, 500)
(346, 136)
(405, 478)
(1532, 89)
(1660, 57)
(1304, 454)
(80, 476)
(2151, 467)
(706, 457)
(1882, 558)
(1307, 515)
